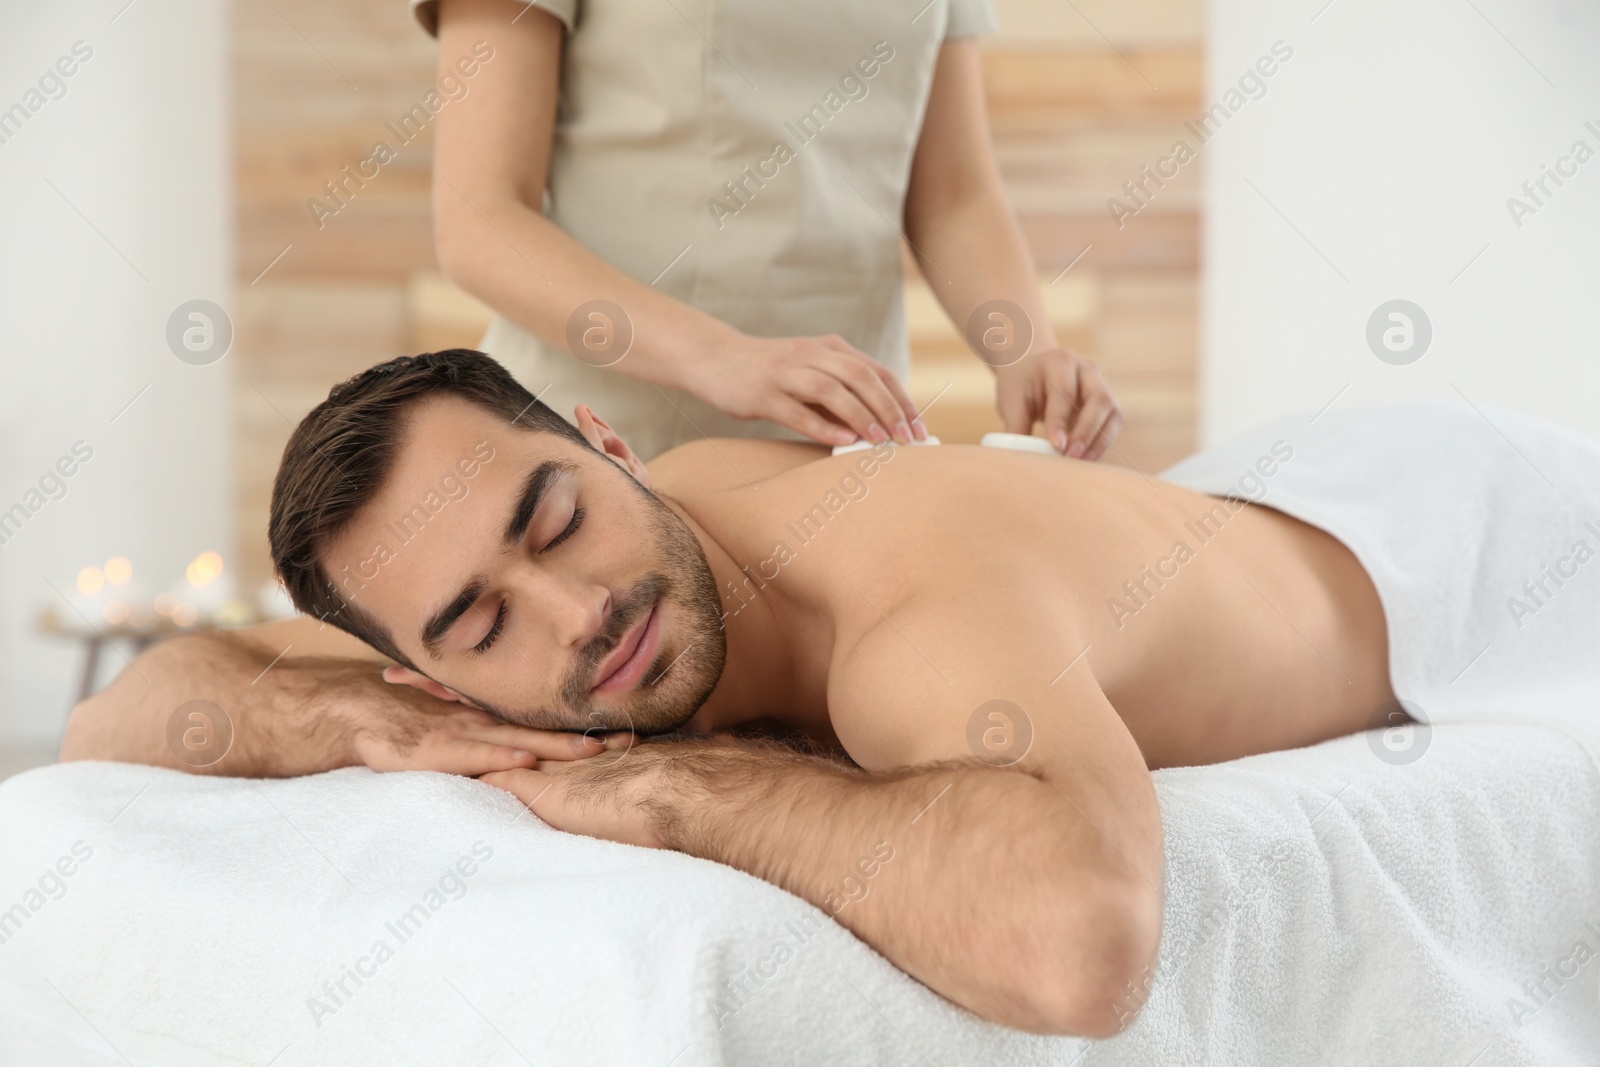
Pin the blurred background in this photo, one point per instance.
(173, 308)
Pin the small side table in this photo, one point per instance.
(143, 630)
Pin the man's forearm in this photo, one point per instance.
(988, 885)
(218, 703)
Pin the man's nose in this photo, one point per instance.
(577, 610)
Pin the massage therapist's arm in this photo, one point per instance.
(1028, 894)
(491, 165)
(301, 698)
(971, 251)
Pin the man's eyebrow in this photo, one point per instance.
(441, 621)
(533, 491)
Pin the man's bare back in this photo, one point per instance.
(1216, 630)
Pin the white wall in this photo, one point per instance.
(1391, 141)
(138, 221)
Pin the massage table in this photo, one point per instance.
(1324, 906)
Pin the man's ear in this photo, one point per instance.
(606, 440)
(418, 680)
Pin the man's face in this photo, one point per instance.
(534, 577)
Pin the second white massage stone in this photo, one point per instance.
(1016, 442)
(1019, 442)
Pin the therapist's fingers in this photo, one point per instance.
(787, 411)
(1062, 405)
(863, 380)
(830, 392)
(1102, 441)
(1012, 401)
(897, 389)
(1096, 406)
(878, 388)
(853, 370)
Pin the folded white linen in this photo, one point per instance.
(1323, 906)
(1479, 527)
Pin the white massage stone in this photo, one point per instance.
(856, 446)
(1019, 442)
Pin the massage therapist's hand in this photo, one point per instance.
(414, 729)
(819, 386)
(1064, 391)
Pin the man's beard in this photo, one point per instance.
(683, 673)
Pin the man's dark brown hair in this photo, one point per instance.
(340, 454)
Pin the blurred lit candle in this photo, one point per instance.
(204, 593)
(91, 581)
(204, 569)
(87, 599)
(118, 571)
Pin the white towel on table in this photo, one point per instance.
(1323, 906)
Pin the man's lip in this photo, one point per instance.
(618, 669)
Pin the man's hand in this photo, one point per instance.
(405, 729)
(1064, 391)
(616, 796)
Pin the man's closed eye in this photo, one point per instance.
(494, 631)
(572, 528)
(499, 624)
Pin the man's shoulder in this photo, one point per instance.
(713, 463)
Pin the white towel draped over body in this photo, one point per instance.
(1346, 903)
(1480, 529)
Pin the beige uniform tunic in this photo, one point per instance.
(747, 157)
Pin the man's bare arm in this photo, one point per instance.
(298, 698)
(982, 883)
(1028, 893)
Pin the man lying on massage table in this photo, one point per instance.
(875, 605)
